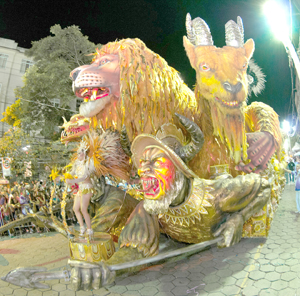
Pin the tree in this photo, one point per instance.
(23, 148)
(48, 79)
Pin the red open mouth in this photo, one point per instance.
(74, 132)
(150, 186)
(231, 104)
(92, 94)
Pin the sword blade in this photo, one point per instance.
(195, 247)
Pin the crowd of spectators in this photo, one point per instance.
(21, 199)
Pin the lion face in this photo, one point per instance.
(97, 84)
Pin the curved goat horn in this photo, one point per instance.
(241, 26)
(198, 31)
(125, 142)
(234, 33)
(188, 151)
(189, 29)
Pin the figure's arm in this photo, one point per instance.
(76, 181)
(260, 117)
(263, 136)
(242, 197)
(114, 211)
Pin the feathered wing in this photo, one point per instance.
(106, 156)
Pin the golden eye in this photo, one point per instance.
(157, 163)
(245, 65)
(204, 67)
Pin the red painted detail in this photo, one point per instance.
(9, 251)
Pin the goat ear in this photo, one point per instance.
(190, 51)
(249, 47)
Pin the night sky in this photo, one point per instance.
(161, 25)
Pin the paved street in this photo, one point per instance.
(253, 267)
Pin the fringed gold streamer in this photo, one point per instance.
(63, 211)
(51, 205)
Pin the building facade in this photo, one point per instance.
(13, 64)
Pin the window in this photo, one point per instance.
(55, 102)
(3, 60)
(78, 103)
(25, 65)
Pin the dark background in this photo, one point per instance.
(161, 25)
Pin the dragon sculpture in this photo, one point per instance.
(130, 88)
(75, 128)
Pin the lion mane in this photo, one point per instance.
(150, 90)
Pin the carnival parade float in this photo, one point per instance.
(209, 166)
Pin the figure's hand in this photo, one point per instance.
(70, 181)
(87, 276)
(231, 231)
(75, 188)
(261, 148)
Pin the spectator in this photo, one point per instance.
(24, 202)
(291, 167)
(297, 186)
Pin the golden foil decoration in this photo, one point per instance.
(101, 248)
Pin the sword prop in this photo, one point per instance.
(29, 277)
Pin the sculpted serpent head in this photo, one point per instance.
(74, 129)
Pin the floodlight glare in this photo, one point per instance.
(278, 20)
(286, 126)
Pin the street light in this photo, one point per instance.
(287, 143)
(286, 126)
(278, 20)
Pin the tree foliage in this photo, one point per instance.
(55, 57)
(13, 114)
(22, 147)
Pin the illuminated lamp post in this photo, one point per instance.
(286, 129)
(277, 17)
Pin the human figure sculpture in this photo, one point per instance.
(98, 155)
(81, 170)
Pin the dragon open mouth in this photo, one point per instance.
(73, 133)
(150, 186)
(232, 104)
(92, 94)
